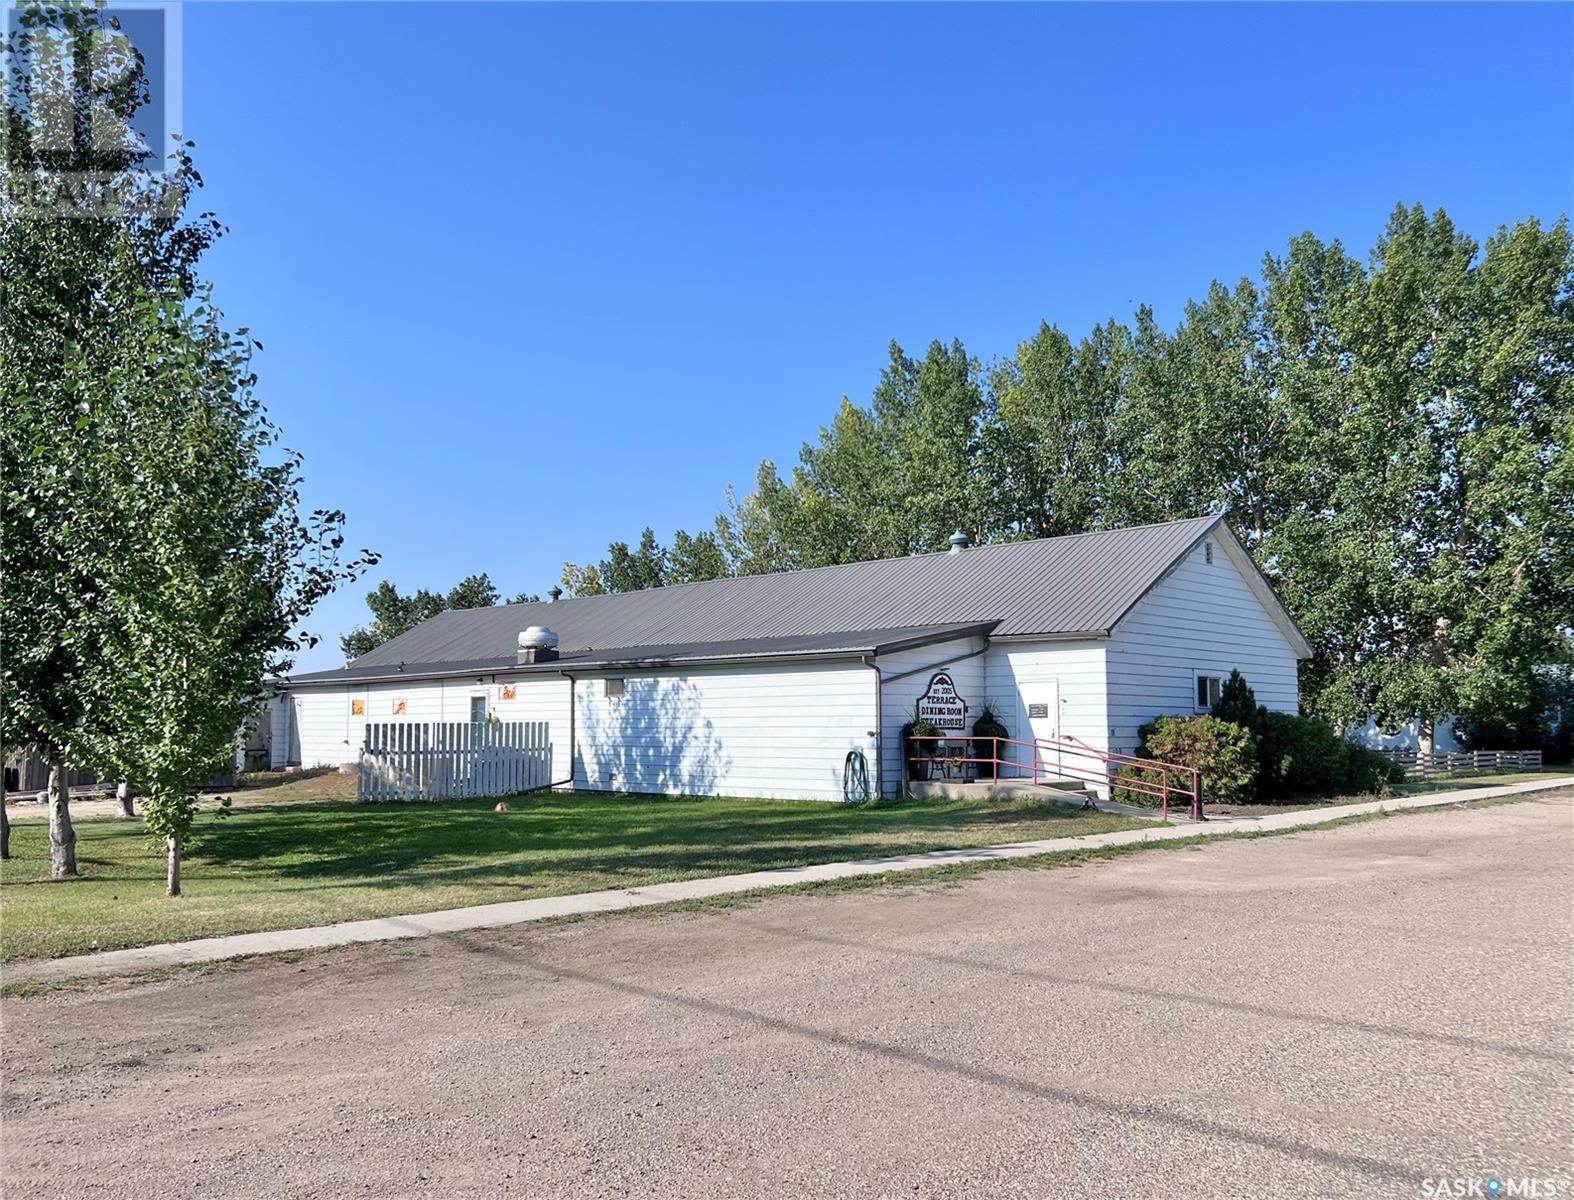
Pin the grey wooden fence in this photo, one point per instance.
(1463, 762)
(450, 760)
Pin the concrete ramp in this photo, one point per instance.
(1060, 790)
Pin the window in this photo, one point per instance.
(614, 688)
(1207, 553)
(1208, 691)
(477, 709)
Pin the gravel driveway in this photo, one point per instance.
(1346, 1012)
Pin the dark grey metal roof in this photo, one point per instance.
(1053, 587)
(828, 645)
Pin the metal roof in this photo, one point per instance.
(1080, 585)
(830, 645)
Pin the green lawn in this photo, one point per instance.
(1454, 783)
(285, 866)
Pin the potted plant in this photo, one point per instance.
(920, 751)
(985, 730)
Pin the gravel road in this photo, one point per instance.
(1345, 1012)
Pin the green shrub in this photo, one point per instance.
(1225, 752)
(985, 729)
(1237, 703)
(1299, 756)
(917, 755)
(1371, 770)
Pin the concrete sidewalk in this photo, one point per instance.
(517, 912)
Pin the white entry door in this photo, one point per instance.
(1040, 707)
(1038, 716)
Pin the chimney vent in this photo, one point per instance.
(959, 542)
(554, 593)
(537, 644)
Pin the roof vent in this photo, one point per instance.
(537, 644)
(554, 593)
(959, 542)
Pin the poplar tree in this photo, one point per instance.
(1389, 439)
(203, 600)
(155, 560)
(73, 277)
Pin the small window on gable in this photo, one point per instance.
(614, 688)
(1207, 553)
(1208, 687)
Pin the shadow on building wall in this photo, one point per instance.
(654, 738)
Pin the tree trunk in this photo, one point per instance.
(173, 879)
(62, 838)
(128, 807)
(1426, 735)
(5, 817)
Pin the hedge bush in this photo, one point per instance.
(1249, 752)
(1299, 756)
(1303, 756)
(1224, 751)
(1371, 771)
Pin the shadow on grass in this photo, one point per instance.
(467, 843)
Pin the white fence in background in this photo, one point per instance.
(452, 760)
(1462, 762)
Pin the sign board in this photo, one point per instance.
(357, 708)
(398, 708)
(510, 692)
(941, 704)
(1037, 711)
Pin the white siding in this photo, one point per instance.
(1077, 668)
(774, 731)
(325, 734)
(329, 734)
(784, 730)
(1408, 736)
(538, 699)
(899, 697)
(282, 732)
(1200, 617)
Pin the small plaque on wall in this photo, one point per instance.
(357, 708)
(1036, 711)
(510, 692)
(398, 708)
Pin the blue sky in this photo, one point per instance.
(531, 277)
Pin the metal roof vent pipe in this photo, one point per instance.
(537, 644)
(959, 542)
(554, 593)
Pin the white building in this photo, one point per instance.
(761, 685)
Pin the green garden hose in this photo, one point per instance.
(855, 778)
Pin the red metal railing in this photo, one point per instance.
(1067, 758)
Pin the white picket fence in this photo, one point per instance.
(452, 760)
(1464, 762)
